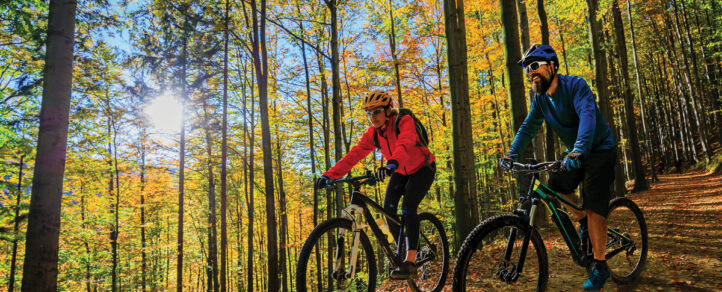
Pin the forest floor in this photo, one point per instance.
(683, 214)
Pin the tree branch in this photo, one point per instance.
(299, 38)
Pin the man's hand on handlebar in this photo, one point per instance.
(506, 163)
(572, 161)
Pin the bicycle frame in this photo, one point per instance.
(359, 209)
(539, 193)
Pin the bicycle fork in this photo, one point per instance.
(512, 275)
(352, 213)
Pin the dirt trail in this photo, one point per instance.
(684, 222)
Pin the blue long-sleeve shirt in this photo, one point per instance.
(574, 116)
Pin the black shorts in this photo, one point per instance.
(597, 173)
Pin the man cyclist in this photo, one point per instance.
(567, 104)
(410, 165)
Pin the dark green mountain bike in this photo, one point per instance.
(338, 256)
(497, 254)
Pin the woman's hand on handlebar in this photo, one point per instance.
(321, 182)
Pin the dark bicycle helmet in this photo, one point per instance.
(539, 52)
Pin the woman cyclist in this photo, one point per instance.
(410, 166)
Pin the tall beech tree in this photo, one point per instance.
(224, 155)
(260, 64)
(41, 246)
(515, 81)
(464, 173)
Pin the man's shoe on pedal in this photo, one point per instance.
(406, 270)
(598, 276)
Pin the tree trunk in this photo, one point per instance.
(40, 268)
(538, 142)
(515, 84)
(523, 25)
(113, 168)
(181, 170)
(640, 180)
(16, 225)
(212, 268)
(544, 26)
(464, 174)
(88, 278)
(224, 156)
(326, 150)
(564, 47)
(601, 83)
(438, 53)
(260, 62)
(550, 138)
(283, 232)
(392, 44)
(498, 123)
(143, 139)
(311, 148)
(251, 134)
(336, 95)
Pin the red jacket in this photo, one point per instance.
(404, 149)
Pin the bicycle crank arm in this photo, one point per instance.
(424, 260)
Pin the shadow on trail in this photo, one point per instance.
(683, 214)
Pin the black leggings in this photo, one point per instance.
(413, 187)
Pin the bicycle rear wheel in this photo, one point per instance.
(627, 243)
(432, 255)
(329, 245)
(481, 263)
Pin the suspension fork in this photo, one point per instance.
(525, 243)
(353, 213)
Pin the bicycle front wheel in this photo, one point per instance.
(489, 256)
(432, 255)
(325, 259)
(626, 250)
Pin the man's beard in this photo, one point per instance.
(544, 84)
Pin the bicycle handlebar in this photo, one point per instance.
(553, 166)
(368, 179)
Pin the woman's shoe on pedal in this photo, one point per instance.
(406, 270)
